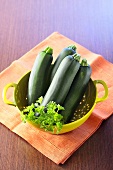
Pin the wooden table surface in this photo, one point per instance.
(24, 24)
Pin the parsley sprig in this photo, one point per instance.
(48, 118)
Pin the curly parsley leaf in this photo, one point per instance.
(47, 117)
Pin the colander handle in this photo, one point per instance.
(104, 97)
(4, 94)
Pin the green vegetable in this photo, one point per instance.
(62, 80)
(77, 91)
(70, 50)
(48, 118)
(39, 77)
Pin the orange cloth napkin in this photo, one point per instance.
(58, 148)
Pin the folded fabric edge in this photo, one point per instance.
(57, 35)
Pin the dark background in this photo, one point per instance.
(24, 24)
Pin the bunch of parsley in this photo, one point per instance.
(47, 117)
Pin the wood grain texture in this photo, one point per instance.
(24, 24)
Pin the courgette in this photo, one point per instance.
(62, 80)
(77, 91)
(38, 80)
(70, 50)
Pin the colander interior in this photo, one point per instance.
(86, 103)
(21, 92)
(84, 106)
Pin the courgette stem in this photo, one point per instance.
(84, 62)
(76, 56)
(72, 47)
(48, 50)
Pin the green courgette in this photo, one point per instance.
(38, 80)
(70, 50)
(62, 80)
(77, 91)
